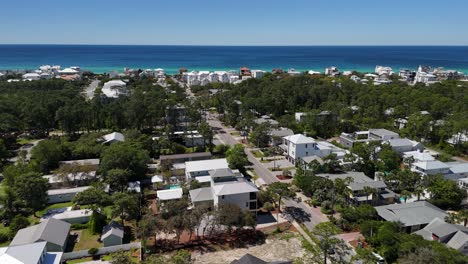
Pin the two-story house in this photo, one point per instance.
(298, 146)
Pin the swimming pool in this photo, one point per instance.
(174, 186)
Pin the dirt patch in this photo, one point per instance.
(275, 249)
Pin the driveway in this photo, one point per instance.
(89, 90)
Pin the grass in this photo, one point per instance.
(257, 153)
(81, 260)
(53, 206)
(87, 241)
(24, 141)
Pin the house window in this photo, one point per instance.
(253, 196)
(307, 153)
(222, 196)
(253, 206)
(306, 145)
(247, 204)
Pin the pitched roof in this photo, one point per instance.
(300, 139)
(440, 229)
(431, 165)
(68, 190)
(234, 188)
(185, 156)
(401, 142)
(201, 194)
(281, 132)
(225, 172)
(206, 165)
(51, 230)
(23, 254)
(115, 136)
(418, 155)
(459, 168)
(458, 240)
(373, 184)
(170, 194)
(410, 214)
(382, 132)
(113, 228)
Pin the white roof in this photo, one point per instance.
(418, 155)
(300, 139)
(31, 75)
(459, 168)
(234, 188)
(113, 83)
(134, 186)
(206, 165)
(73, 214)
(68, 70)
(157, 178)
(113, 136)
(170, 194)
(431, 165)
(69, 190)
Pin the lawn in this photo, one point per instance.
(257, 153)
(24, 141)
(81, 260)
(87, 240)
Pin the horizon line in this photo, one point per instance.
(236, 45)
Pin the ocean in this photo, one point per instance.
(105, 58)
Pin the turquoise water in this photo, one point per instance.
(174, 186)
(105, 58)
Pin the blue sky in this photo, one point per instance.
(240, 22)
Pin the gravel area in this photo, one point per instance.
(273, 250)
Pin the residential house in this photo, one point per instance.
(401, 145)
(73, 216)
(52, 231)
(33, 253)
(384, 70)
(413, 216)
(84, 178)
(200, 170)
(112, 234)
(430, 167)
(300, 116)
(266, 119)
(258, 74)
(245, 71)
(418, 156)
(378, 135)
(32, 76)
(277, 135)
(332, 71)
(114, 88)
(457, 170)
(169, 194)
(182, 158)
(298, 146)
(358, 185)
(453, 236)
(113, 137)
(64, 195)
(226, 187)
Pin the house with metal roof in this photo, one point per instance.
(33, 253)
(430, 167)
(372, 135)
(53, 231)
(298, 146)
(359, 183)
(454, 236)
(418, 156)
(413, 216)
(113, 137)
(64, 195)
(112, 234)
(200, 169)
(401, 145)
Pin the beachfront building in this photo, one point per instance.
(332, 71)
(349, 139)
(424, 75)
(32, 76)
(114, 88)
(383, 70)
(258, 74)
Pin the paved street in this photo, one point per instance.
(89, 91)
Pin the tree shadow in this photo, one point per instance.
(297, 214)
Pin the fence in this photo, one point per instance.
(102, 251)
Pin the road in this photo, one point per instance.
(89, 90)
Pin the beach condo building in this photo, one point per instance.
(384, 70)
(332, 71)
(349, 139)
(213, 77)
(223, 76)
(258, 74)
(244, 71)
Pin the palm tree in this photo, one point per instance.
(418, 191)
(462, 216)
(451, 218)
(369, 191)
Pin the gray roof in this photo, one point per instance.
(27, 254)
(401, 142)
(431, 165)
(201, 194)
(234, 188)
(113, 228)
(382, 132)
(226, 172)
(250, 259)
(51, 230)
(410, 214)
(357, 186)
(458, 240)
(185, 156)
(440, 229)
(281, 132)
(68, 190)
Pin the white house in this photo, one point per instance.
(113, 137)
(349, 139)
(169, 194)
(114, 88)
(457, 170)
(418, 156)
(401, 145)
(298, 146)
(430, 167)
(299, 116)
(32, 76)
(200, 169)
(64, 195)
(73, 216)
(332, 71)
(258, 74)
(36, 253)
(381, 70)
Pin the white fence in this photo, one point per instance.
(102, 251)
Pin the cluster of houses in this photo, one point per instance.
(205, 77)
(48, 72)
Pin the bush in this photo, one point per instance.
(18, 222)
(268, 206)
(4, 236)
(79, 226)
(326, 207)
(93, 251)
(315, 202)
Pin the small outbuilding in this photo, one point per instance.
(112, 234)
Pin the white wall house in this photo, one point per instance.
(401, 145)
(299, 146)
(349, 139)
(258, 74)
(200, 169)
(430, 167)
(64, 195)
(114, 88)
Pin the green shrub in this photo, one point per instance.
(268, 206)
(79, 226)
(4, 236)
(93, 251)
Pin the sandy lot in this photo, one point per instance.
(273, 250)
